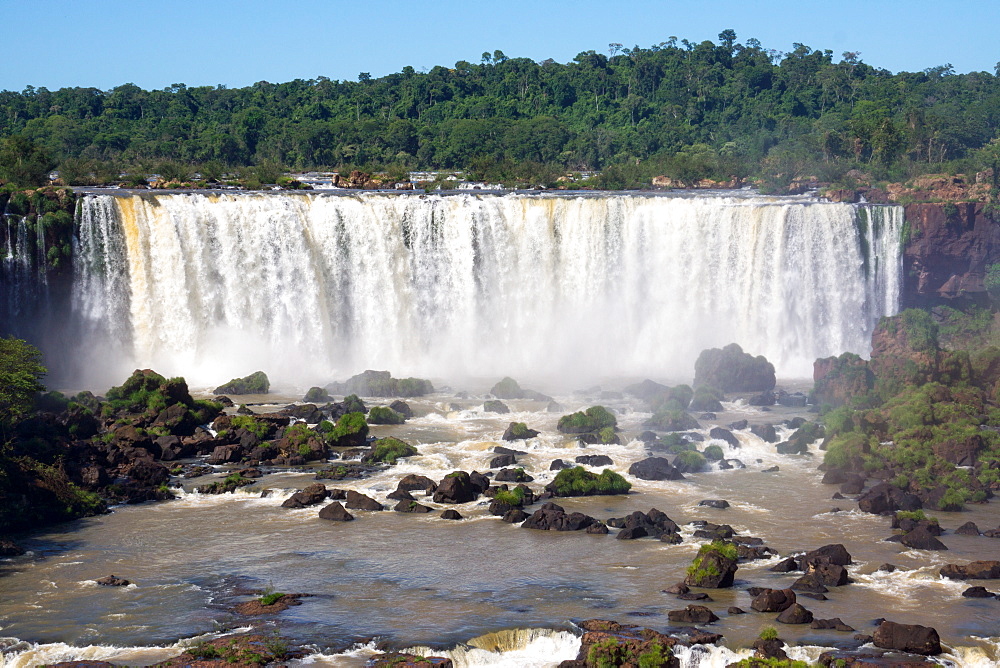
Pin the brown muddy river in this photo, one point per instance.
(415, 580)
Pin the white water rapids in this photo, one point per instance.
(310, 287)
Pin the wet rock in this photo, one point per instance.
(604, 643)
(692, 614)
(722, 434)
(968, 529)
(707, 416)
(598, 528)
(513, 475)
(113, 581)
(456, 487)
(655, 468)
(729, 369)
(765, 398)
(887, 568)
(733, 610)
(404, 660)
(518, 431)
(692, 596)
(921, 539)
(451, 514)
(310, 496)
(480, 482)
(834, 624)
(400, 495)
(414, 482)
(810, 584)
(833, 554)
(978, 592)
(402, 408)
(677, 589)
(770, 649)
(632, 533)
(501, 461)
(495, 406)
(336, 512)
(9, 548)
(907, 638)
(772, 469)
(359, 501)
(854, 483)
(712, 570)
(411, 507)
(785, 566)
(559, 465)
(721, 504)
(551, 517)
(976, 570)
(886, 498)
(795, 614)
(773, 600)
(765, 432)
(594, 460)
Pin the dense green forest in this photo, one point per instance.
(682, 109)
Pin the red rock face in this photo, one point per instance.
(947, 255)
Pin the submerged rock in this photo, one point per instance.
(113, 581)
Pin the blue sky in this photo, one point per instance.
(104, 43)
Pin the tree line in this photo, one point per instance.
(687, 110)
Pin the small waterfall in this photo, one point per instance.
(23, 278)
(311, 287)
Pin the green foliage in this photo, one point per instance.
(349, 425)
(259, 428)
(846, 451)
(20, 380)
(384, 415)
(722, 548)
(271, 598)
(255, 383)
(768, 633)
(692, 460)
(519, 430)
(578, 481)
(668, 419)
(729, 369)
(593, 419)
(513, 497)
(918, 326)
(714, 453)
(706, 398)
(24, 162)
(388, 450)
(353, 404)
(655, 656)
(298, 435)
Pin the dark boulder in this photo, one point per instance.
(598, 528)
(515, 516)
(711, 569)
(976, 570)
(835, 624)
(632, 533)
(402, 408)
(451, 514)
(513, 475)
(907, 638)
(336, 512)
(826, 573)
(693, 614)
(559, 465)
(785, 566)
(414, 482)
(495, 406)
(795, 614)
(922, 539)
(978, 592)
(729, 369)
(723, 434)
(411, 507)
(655, 468)
(359, 501)
(765, 398)
(456, 487)
(968, 529)
(765, 432)
(112, 581)
(834, 554)
(809, 584)
(551, 517)
(518, 431)
(594, 460)
(773, 600)
(310, 496)
(721, 504)
(886, 498)
(501, 461)
(854, 483)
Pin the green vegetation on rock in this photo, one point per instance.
(729, 369)
(578, 481)
(384, 415)
(592, 420)
(388, 450)
(255, 383)
(351, 430)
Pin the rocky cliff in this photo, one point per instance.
(949, 249)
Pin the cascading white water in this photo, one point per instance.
(312, 287)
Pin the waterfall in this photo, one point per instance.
(314, 287)
(23, 277)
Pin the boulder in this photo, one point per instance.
(922, 539)
(255, 383)
(976, 570)
(515, 516)
(773, 600)
(693, 614)
(495, 406)
(451, 514)
(336, 512)
(907, 638)
(765, 432)
(359, 501)
(834, 554)
(309, 496)
(417, 482)
(402, 408)
(513, 475)
(551, 517)
(711, 570)
(826, 573)
(655, 468)
(978, 592)
(786, 565)
(518, 431)
(112, 581)
(729, 369)
(795, 614)
(810, 584)
(968, 529)
(559, 465)
(721, 504)
(724, 435)
(835, 624)
(594, 460)
(456, 487)
(501, 461)
(411, 507)
(597, 528)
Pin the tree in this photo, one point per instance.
(20, 380)
(23, 162)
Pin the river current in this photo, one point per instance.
(489, 593)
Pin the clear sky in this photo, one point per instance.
(104, 43)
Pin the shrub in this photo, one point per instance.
(351, 429)
(384, 415)
(519, 430)
(692, 460)
(578, 481)
(514, 497)
(714, 453)
(388, 450)
(768, 633)
(593, 419)
(271, 598)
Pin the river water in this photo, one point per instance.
(418, 580)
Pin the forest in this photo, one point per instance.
(686, 110)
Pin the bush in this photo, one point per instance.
(768, 633)
(692, 460)
(714, 453)
(514, 497)
(384, 415)
(593, 419)
(351, 429)
(353, 404)
(270, 599)
(388, 450)
(578, 481)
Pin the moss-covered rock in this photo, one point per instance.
(384, 415)
(351, 431)
(381, 384)
(714, 567)
(388, 450)
(706, 398)
(578, 481)
(592, 420)
(255, 383)
(731, 370)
